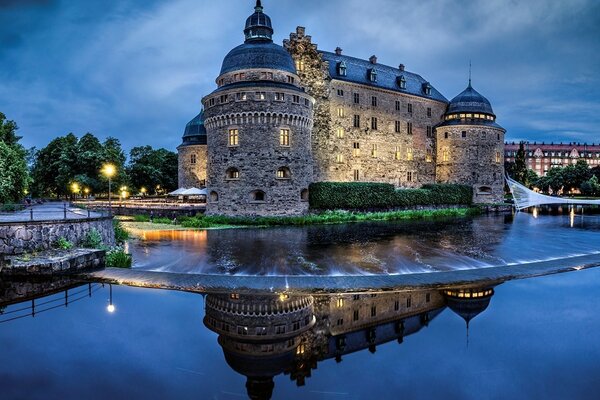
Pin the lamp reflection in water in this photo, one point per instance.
(111, 307)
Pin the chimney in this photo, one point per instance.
(373, 59)
(401, 67)
(338, 51)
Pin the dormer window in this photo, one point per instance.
(401, 82)
(427, 88)
(372, 75)
(341, 68)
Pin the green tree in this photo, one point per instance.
(113, 153)
(520, 167)
(530, 178)
(14, 174)
(555, 179)
(150, 168)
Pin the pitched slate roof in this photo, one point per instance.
(387, 77)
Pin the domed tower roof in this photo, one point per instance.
(195, 132)
(470, 101)
(258, 50)
(468, 303)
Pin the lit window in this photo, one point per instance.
(339, 133)
(299, 65)
(280, 96)
(340, 112)
(497, 157)
(283, 173)
(339, 158)
(232, 174)
(340, 302)
(284, 137)
(374, 151)
(357, 121)
(240, 96)
(193, 159)
(429, 156)
(397, 155)
(397, 127)
(445, 155)
(234, 137)
(261, 96)
(374, 123)
(356, 149)
(409, 154)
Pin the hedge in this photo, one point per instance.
(366, 196)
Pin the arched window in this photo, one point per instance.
(232, 174)
(284, 173)
(214, 197)
(304, 195)
(341, 68)
(258, 196)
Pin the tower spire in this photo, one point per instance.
(258, 7)
(469, 73)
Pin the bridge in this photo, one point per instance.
(525, 197)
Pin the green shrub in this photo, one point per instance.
(162, 220)
(121, 235)
(63, 244)
(117, 258)
(365, 196)
(92, 239)
(11, 207)
(141, 218)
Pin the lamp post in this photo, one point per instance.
(143, 191)
(109, 170)
(75, 188)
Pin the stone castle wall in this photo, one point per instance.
(475, 157)
(192, 174)
(23, 237)
(259, 153)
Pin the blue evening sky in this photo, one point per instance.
(137, 69)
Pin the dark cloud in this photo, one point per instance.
(137, 70)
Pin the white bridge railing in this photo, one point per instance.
(525, 197)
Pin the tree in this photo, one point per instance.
(530, 178)
(520, 167)
(113, 153)
(591, 187)
(14, 175)
(555, 179)
(150, 168)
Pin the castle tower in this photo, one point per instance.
(259, 123)
(192, 154)
(470, 147)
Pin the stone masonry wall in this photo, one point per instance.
(192, 175)
(22, 237)
(472, 159)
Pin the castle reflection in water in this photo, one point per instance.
(264, 335)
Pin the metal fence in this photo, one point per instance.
(49, 212)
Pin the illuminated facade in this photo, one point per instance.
(541, 157)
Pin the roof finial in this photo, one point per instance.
(259, 6)
(469, 73)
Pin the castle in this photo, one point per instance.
(283, 117)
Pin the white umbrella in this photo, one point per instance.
(178, 192)
(194, 192)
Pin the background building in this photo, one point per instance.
(540, 157)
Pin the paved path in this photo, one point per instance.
(325, 284)
(46, 212)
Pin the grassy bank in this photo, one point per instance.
(326, 217)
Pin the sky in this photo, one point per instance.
(137, 69)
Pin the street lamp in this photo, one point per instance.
(143, 191)
(109, 170)
(75, 188)
(87, 192)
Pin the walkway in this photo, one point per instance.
(49, 212)
(325, 284)
(525, 198)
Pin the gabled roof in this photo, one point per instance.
(387, 77)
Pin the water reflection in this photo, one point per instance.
(265, 335)
(371, 248)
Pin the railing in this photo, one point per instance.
(49, 212)
(48, 303)
(140, 204)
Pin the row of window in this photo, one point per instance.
(339, 158)
(446, 156)
(264, 76)
(375, 124)
(233, 138)
(233, 174)
(465, 134)
(258, 96)
(375, 102)
(257, 196)
(469, 116)
(557, 154)
(411, 176)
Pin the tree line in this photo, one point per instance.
(568, 179)
(69, 163)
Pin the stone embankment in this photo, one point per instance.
(54, 262)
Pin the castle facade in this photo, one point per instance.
(285, 116)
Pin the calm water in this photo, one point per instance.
(536, 338)
(372, 248)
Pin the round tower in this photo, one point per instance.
(470, 147)
(192, 154)
(259, 123)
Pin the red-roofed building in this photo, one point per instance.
(541, 157)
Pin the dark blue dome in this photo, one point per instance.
(258, 54)
(195, 132)
(470, 101)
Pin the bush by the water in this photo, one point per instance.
(141, 218)
(364, 195)
(121, 235)
(117, 258)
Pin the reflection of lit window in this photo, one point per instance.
(234, 296)
(300, 349)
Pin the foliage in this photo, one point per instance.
(151, 168)
(519, 170)
(14, 174)
(141, 218)
(531, 178)
(162, 220)
(121, 235)
(591, 187)
(571, 177)
(362, 195)
(118, 258)
(63, 244)
(92, 239)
